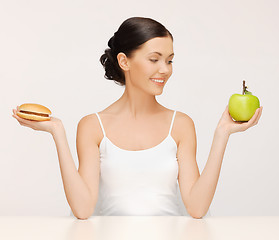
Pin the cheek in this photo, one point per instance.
(171, 71)
(142, 68)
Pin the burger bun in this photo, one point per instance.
(34, 111)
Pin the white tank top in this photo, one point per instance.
(141, 182)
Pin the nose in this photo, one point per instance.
(165, 68)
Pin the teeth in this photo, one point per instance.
(155, 80)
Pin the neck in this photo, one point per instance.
(138, 104)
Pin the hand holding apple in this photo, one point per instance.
(228, 126)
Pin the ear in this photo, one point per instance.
(123, 61)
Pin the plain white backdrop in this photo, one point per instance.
(49, 54)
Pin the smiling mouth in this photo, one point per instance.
(159, 81)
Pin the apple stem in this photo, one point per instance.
(244, 88)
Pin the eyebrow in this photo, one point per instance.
(161, 54)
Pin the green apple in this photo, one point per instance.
(243, 106)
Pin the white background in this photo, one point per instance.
(49, 54)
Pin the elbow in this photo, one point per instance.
(85, 214)
(82, 217)
(196, 211)
(196, 214)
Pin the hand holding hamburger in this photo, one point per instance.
(36, 116)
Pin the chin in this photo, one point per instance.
(158, 92)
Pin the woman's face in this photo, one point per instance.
(151, 62)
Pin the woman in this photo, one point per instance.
(136, 150)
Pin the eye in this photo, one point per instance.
(155, 60)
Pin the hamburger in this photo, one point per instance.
(33, 111)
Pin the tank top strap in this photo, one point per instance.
(172, 122)
(101, 124)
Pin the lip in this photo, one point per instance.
(158, 83)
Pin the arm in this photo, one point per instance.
(198, 190)
(203, 190)
(81, 186)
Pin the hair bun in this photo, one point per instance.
(111, 42)
(112, 69)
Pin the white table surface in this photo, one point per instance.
(139, 227)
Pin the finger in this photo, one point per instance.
(259, 115)
(22, 123)
(226, 113)
(253, 120)
(14, 111)
(19, 120)
(22, 120)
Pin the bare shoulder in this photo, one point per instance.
(184, 125)
(183, 116)
(183, 120)
(90, 125)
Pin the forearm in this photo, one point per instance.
(203, 190)
(77, 192)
